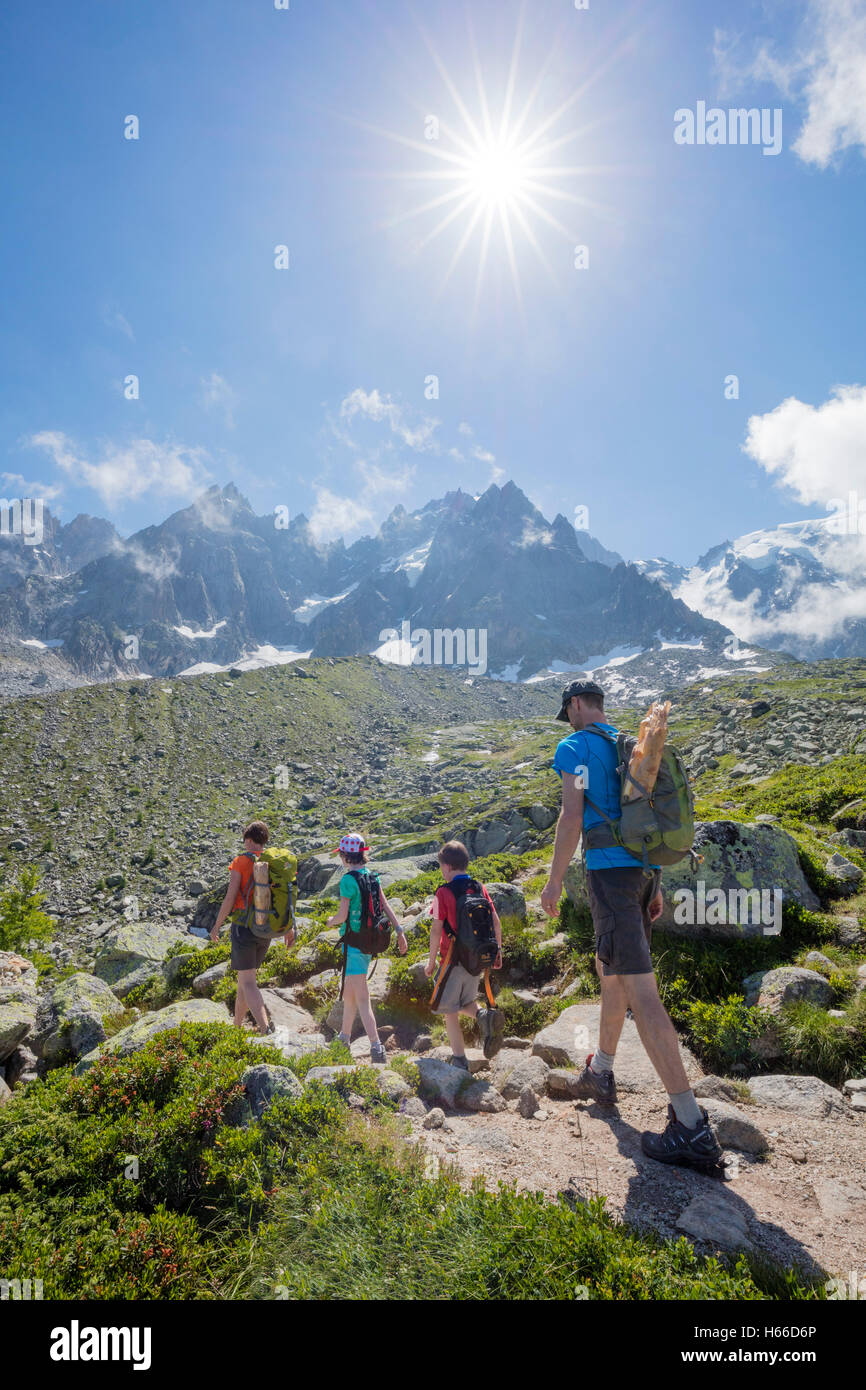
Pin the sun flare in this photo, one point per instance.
(495, 176)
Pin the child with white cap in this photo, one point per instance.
(361, 896)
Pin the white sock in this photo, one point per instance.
(686, 1109)
(601, 1061)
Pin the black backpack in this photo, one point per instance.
(374, 934)
(475, 945)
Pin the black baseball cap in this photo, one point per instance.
(578, 688)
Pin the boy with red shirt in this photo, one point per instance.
(456, 990)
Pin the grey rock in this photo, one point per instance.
(527, 1104)
(204, 984)
(714, 1217)
(508, 899)
(435, 1118)
(291, 1018)
(841, 1199)
(511, 1071)
(129, 947)
(562, 1082)
(263, 1083)
(716, 1088)
(805, 1095)
(848, 876)
(71, 1019)
(439, 1081)
(414, 1107)
(739, 858)
(773, 989)
(18, 1002)
(734, 1130)
(133, 1038)
(289, 1045)
(855, 838)
(849, 932)
(542, 817)
(480, 1095)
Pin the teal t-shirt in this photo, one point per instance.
(356, 962)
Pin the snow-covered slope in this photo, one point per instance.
(799, 587)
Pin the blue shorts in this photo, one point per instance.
(356, 962)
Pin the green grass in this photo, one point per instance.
(130, 1182)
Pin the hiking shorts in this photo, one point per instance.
(619, 901)
(356, 962)
(248, 951)
(460, 989)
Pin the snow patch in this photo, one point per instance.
(313, 606)
(253, 661)
(191, 632)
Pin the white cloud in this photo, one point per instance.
(535, 535)
(128, 471)
(217, 394)
(378, 480)
(374, 406)
(819, 612)
(825, 70)
(157, 565)
(464, 428)
(113, 318)
(819, 452)
(25, 488)
(337, 515)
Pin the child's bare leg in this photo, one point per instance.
(253, 996)
(365, 1009)
(240, 1004)
(350, 1007)
(455, 1034)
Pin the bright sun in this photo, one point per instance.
(496, 176)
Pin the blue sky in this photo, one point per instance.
(601, 387)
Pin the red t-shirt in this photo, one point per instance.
(244, 866)
(446, 910)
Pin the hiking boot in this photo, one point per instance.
(693, 1148)
(341, 1037)
(377, 1053)
(461, 1063)
(595, 1085)
(491, 1027)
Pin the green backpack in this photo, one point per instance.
(282, 880)
(656, 829)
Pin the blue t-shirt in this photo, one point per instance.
(596, 758)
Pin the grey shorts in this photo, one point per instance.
(461, 989)
(619, 900)
(248, 951)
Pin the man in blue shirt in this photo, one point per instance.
(624, 902)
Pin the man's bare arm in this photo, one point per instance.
(569, 828)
